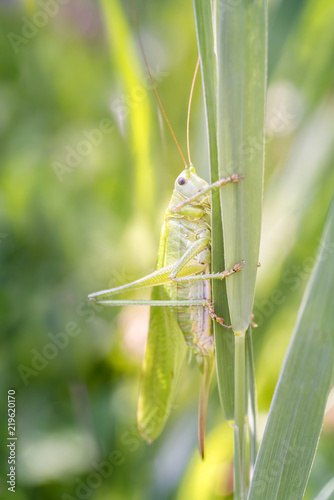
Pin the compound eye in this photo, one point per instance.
(181, 181)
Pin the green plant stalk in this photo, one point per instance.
(251, 400)
(239, 424)
(224, 339)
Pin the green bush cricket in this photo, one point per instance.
(181, 309)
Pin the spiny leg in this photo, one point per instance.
(152, 303)
(214, 316)
(192, 251)
(167, 303)
(160, 277)
(199, 277)
(216, 185)
(181, 271)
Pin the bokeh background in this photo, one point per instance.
(87, 168)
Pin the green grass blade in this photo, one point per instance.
(223, 338)
(125, 59)
(295, 419)
(241, 92)
(242, 52)
(205, 40)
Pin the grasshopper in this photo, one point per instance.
(181, 305)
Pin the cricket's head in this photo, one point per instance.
(189, 183)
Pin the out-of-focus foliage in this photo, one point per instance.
(87, 166)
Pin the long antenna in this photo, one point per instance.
(134, 14)
(189, 107)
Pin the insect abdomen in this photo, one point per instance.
(194, 321)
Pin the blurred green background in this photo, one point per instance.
(87, 168)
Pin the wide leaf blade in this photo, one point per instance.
(241, 71)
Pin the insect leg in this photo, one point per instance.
(158, 277)
(153, 303)
(179, 272)
(235, 269)
(214, 316)
(193, 250)
(167, 303)
(216, 185)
